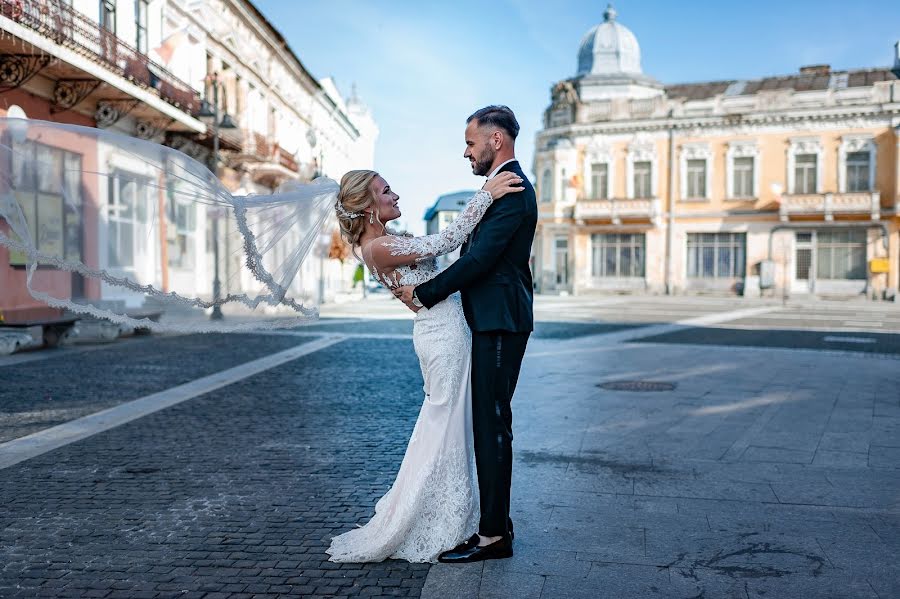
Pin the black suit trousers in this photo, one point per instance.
(496, 361)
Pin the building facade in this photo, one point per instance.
(444, 211)
(152, 69)
(784, 184)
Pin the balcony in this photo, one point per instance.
(268, 163)
(828, 205)
(617, 209)
(83, 38)
(596, 111)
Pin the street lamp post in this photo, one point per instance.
(225, 123)
(323, 246)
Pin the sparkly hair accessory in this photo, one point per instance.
(343, 212)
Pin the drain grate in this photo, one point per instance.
(637, 386)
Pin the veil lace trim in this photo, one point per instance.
(110, 184)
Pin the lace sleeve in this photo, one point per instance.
(395, 251)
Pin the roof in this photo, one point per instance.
(451, 202)
(818, 79)
(282, 42)
(609, 48)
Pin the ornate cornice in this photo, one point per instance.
(861, 117)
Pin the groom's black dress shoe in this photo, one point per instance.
(471, 552)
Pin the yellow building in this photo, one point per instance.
(786, 183)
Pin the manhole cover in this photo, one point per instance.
(637, 386)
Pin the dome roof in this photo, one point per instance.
(609, 49)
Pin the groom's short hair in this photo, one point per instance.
(497, 116)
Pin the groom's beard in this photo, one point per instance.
(482, 166)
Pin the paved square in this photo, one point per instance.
(772, 469)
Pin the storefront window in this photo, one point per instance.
(46, 182)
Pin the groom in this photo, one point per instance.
(494, 279)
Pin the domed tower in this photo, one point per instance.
(609, 63)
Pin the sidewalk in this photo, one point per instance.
(764, 473)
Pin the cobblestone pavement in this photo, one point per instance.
(39, 394)
(766, 472)
(233, 494)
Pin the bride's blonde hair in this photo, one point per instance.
(353, 198)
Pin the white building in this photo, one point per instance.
(290, 126)
(151, 68)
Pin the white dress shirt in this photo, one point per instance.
(497, 170)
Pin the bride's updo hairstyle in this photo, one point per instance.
(353, 198)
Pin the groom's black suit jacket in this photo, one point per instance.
(493, 272)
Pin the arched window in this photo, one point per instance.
(547, 186)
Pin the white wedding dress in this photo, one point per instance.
(433, 504)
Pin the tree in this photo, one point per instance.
(340, 249)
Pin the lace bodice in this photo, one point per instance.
(422, 271)
(413, 258)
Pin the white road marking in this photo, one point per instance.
(843, 339)
(24, 448)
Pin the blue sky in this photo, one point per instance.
(423, 67)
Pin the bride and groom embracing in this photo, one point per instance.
(451, 497)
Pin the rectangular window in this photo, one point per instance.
(743, 177)
(696, 178)
(599, 181)
(128, 217)
(562, 186)
(48, 191)
(109, 45)
(108, 15)
(841, 254)
(72, 200)
(181, 213)
(618, 255)
(643, 173)
(858, 171)
(140, 22)
(561, 249)
(805, 169)
(716, 255)
(547, 186)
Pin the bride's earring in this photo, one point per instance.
(372, 218)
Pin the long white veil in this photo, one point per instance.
(115, 227)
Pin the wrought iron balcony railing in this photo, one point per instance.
(258, 147)
(76, 31)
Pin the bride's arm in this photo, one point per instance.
(393, 251)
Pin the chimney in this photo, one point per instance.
(897, 58)
(816, 69)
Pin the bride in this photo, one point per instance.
(433, 503)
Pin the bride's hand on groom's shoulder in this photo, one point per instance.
(502, 184)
